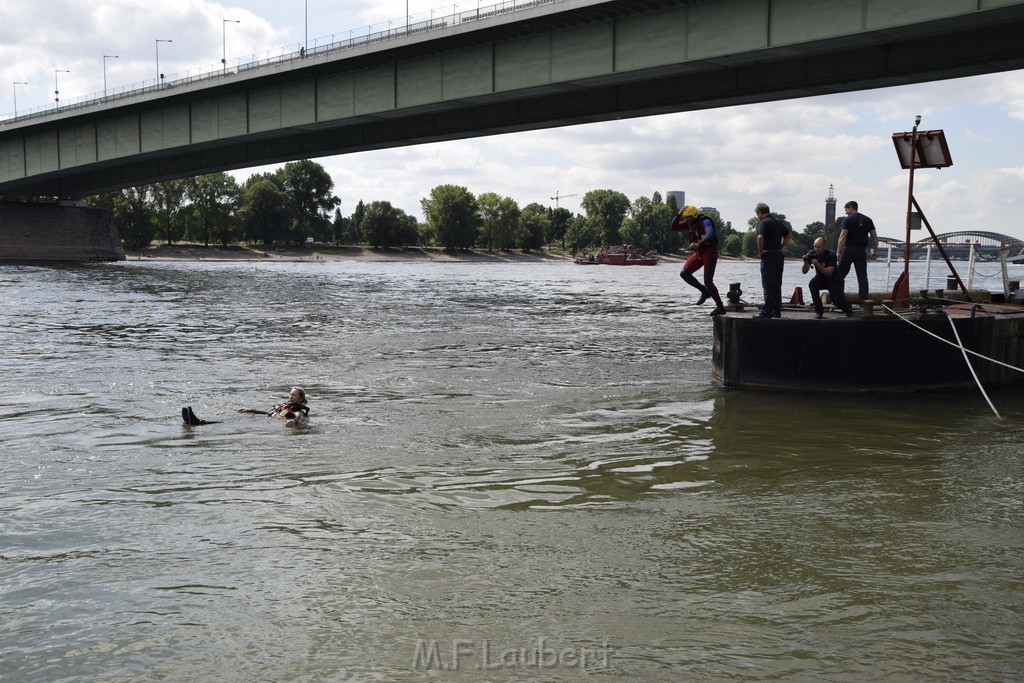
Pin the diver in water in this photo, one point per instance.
(295, 411)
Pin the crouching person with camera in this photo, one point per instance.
(827, 277)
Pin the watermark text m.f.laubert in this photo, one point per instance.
(465, 655)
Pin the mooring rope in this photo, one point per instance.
(971, 368)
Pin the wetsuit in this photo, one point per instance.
(702, 231)
(291, 411)
(288, 411)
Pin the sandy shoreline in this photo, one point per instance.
(193, 252)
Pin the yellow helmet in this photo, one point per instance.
(689, 211)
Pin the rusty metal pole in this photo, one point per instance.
(910, 199)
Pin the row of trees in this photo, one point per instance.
(285, 206)
(297, 203)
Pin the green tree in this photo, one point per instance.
(671, 203)
(812, 231)
(832, 234)
(409, 230)
(382, 225)
(168, 197)
(733, 245)
(213, 199)
(499, 222)
(133, 214)
(635, 229)
(535, 226)
(452, 216)
(606, 210)
(648, 225)
(345, 229)
(264, 212)
(310, 191)
(581, 233)
(560, 218)
(750, 243)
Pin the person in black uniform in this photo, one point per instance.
(856, 231)
(772, 236)
(826, 276)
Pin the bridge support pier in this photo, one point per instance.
(57, 232)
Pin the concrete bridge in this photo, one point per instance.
(545, 64)
(510, 67)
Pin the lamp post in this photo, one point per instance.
(14, 87)
(56, 88)
(105, 58)
(159, 76)
(224, 40)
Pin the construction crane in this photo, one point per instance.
(559, 196)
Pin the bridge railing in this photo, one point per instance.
(277, 57)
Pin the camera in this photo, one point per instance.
(810, 256)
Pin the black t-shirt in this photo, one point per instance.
(858, 227)
(828, 259)
(773, 231)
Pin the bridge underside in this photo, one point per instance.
(967, 45)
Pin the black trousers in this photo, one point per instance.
(771, 281)
(834, 287)
(855, 255)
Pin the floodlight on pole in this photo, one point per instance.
(105, 58)
(14, 87)
(159, 76)
(56, 88)
(224, 40)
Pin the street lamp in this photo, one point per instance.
(105, 58)
(159, 76)
(56, 88)
(15, 89)
(224, 40)
(305, 7)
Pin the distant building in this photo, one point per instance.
(679, 196)
(830, 209)
(704, 209)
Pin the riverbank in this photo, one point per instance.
(198, 252)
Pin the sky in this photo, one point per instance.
(785, 153)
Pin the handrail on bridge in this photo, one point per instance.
(212, 73)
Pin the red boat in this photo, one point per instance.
(618, 256)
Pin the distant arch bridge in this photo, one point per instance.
(958, 244)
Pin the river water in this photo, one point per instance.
(513, 472)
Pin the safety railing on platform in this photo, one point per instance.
(928, 279)
(282, 56)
